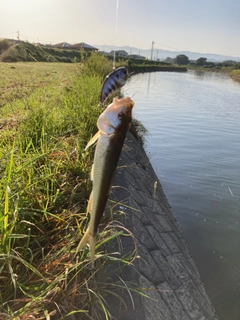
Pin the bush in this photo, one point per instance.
(182, 59)
(65, 59)
(4, 45)
(201, 61)
(10, 55)
(96, 64)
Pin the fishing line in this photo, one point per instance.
(115, 44)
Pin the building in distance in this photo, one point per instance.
(119, 53)
(77, 46)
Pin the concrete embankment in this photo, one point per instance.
(143, 69)
(164, 270)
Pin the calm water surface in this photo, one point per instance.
(193, 121)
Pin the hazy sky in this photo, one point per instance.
(206, 26)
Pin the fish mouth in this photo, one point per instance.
(128, 110)
(128, 104)
(131, 105)
(125, 102)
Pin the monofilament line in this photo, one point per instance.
(115, 43)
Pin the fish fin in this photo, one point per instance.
(93, 140)
(101, 105)
(92, 172)
(89, 207)
(91, 240)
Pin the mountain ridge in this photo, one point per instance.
(162, 54)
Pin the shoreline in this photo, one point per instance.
(144, 69)
(233, 74)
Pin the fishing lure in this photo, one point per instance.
(113, 81)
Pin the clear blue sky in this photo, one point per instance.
(206, 26)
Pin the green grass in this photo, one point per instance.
(19, 80)
(25, 51)
(44, 190)
(235, 75)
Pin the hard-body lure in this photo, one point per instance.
(113, 81)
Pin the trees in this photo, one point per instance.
(169, 60)
(182, 59)
(201, 61)
(4, 45)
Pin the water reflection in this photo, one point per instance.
(149, 81)
(194, 146)
(199, 73)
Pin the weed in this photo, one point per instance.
(44, 190)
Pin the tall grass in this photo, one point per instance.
(43, 196)
(235, 75)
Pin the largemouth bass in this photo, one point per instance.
(113, 81)
(113, 125)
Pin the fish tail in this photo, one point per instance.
(91, 240)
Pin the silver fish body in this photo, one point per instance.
(113, 81)
(113, 125)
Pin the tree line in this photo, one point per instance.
(182, 59)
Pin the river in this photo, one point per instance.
(193, 143)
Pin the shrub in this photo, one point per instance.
(96, 64)
(182, 59)
(10, 55)
(4, 45)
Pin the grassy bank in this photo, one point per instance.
(232, 71)
(156, 68)
(48, 113)
(235, 75)
(27, 52)
(141, 65)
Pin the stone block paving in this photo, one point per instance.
(164, 269)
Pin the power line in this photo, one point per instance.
(4, 34)
(162, 45)
(20, 35)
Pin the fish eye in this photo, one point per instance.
(120, 116)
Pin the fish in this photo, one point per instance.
(113, 124)
(113, 81)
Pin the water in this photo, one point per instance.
(193, 121)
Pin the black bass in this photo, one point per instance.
(113, 125)
(113, 81)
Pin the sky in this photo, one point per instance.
(205, 26)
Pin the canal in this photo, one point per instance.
(193, 142)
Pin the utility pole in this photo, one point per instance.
(18, 35)
(152, 50)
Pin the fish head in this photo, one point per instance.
(117, 116)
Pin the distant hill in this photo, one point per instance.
(163, 54)
(24, 51)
